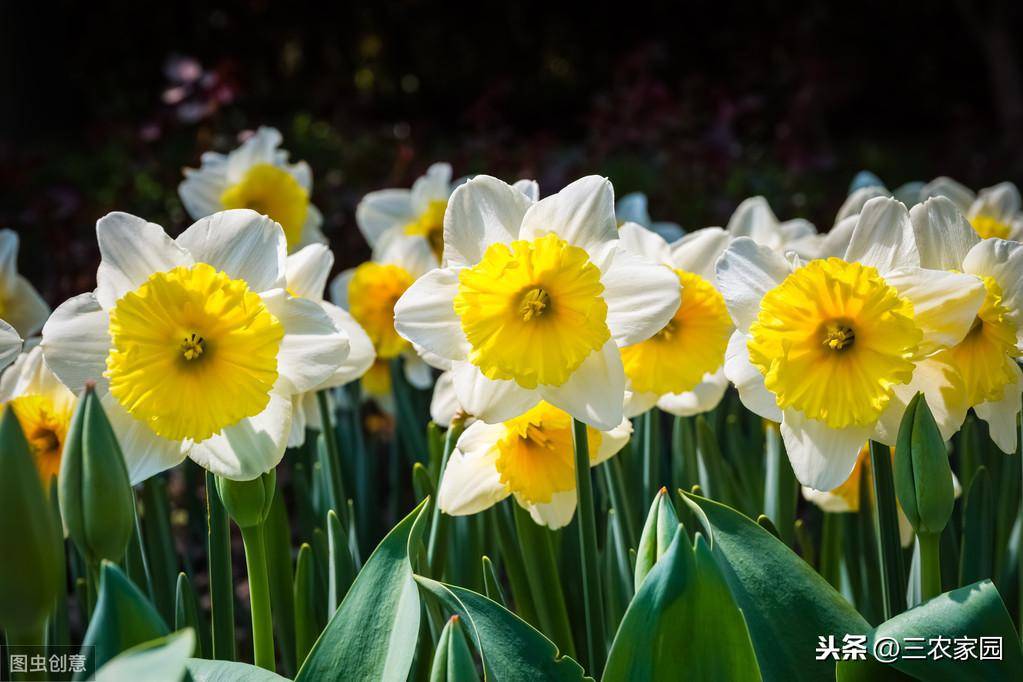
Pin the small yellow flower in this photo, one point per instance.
(274, 192)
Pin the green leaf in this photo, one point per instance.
(682, 620)
(158, 660)
(373, 634)
(453, 660)
(976, 562)
(510, 648)
(973, 611)
(186, 610)
(202, 670)
(786, 603)
(123, 617)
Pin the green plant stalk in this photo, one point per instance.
(59, 626)
(334, 454)
(306, 630)
(886, 528)
(218, 547)
(544, 581)
(650, 459)
(436, 543)
(593, 596)
(831, 550)
(259, 597)
(514, 566)
(160, 545)
(930, 565)
(618, 493)
(779, 485)
(34, 637)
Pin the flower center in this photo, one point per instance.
(372, 293)
(532, 310)
(838, 335)
(45, 429)
(698, 332)
(181, 382)
(988, 227)
(430, 226)
(534, 303)
(984, 358)
(535, 457)
(832, 340)
(273, 192)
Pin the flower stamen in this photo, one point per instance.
(193, 346)
(838, 336)
(534, 303)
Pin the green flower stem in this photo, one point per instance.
(218, 548)
(618, 492)
(651, 461)
(33, 637)
(259, 597)
(334, 454)
(436, 545)
(593, 597)
(930, 565)
(886, 527)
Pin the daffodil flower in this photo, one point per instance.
(43, 407)
(10, 344)
(754, 219)
(21, 306)
(994, 212)
(681, 367)
(535, 301)
(306, 273)
(632, 208)
(980, 371)
(368, 292)
(824, 346)
(390, 215)
(194, 344)
(531, 457)
(256, 175)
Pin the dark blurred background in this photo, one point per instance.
(699, 104)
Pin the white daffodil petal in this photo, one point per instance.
(470, 482)
(242, 244)
(417, 373)
(748, 380)
(557, 513)
(943, 235)
(10, 344)
(131, 249)
(413, 255)
(826, 500)
(835, 243)
(639, 240)
(528, 187)
(360, 348)
(249, 448)
(311, 232)
(583, 214)
(25, 309)
(612, 441)
(339, 287)
(883, 236)
(384, 210)
(937, 381)
(638, 403)
(668, 231)
(313, 347)
(1002, 202)
(961, 196)
(1001, 415)
(754, 219)
(8, 259)
(1002, 260)
(641, 297)
(821, 457)
(704, 397)
(296, 437)
(595, 392)
(493, 401)
(854, 203)
(481, 212)
(307, 270)
(202, 188)
(76, 341)
(698, 251)
(425, 315)
(434, 185)
(444, 403)
(261, 147)
(945, 304)
(145, 453)
(744, 273)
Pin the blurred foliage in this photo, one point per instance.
(698, 105)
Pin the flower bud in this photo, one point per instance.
(96, 500)
(658, 532)
(248, 502)
(29, 536)
(453, 660)
(923, 478)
